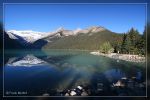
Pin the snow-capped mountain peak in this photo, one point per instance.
(28, 35)
(95, 29)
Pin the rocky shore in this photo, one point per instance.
(126, 57)
(124, 86)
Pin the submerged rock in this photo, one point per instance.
(73, 93)
(67, 94)
(118, 84)
(79, 87)
(84, 93)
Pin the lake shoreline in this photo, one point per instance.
(125, 57)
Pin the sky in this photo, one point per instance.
(118, 18)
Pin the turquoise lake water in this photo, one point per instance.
(54, 72)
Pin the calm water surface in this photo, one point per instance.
(57, 72)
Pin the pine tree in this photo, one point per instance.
(134, 36)
(141, 44)
(126, 44)
(144, 33)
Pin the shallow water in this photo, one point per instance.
(35, 72)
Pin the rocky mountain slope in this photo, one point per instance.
(89, 38)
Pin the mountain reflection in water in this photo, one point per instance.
(71, 73)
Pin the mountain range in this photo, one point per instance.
(89, 38)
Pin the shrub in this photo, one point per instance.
(106, 48)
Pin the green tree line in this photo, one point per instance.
(132, 43)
